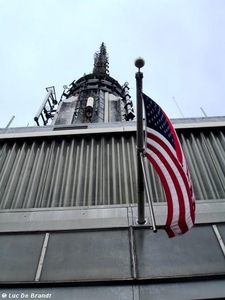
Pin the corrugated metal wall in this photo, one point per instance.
(89, 171)
(205, 153)
(98, 170)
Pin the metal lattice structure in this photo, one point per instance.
(101, 61)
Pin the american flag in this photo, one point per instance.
(164, 151)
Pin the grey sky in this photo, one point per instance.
(52, 42)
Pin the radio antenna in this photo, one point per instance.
(178, 107)
(203, 112)
(10, 121)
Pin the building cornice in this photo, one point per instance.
(118, 127)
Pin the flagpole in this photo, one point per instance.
(139, 63)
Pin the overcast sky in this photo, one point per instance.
(52, 42)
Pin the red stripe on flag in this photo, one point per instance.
(182, 197)
(182, 218)
(180, 170)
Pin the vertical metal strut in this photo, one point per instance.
(151, 211)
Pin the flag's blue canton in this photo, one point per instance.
(156, 120)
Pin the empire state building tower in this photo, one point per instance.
(95, 98)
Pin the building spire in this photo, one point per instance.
(101, 61)
(93, 98)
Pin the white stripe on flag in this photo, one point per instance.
(167, 155)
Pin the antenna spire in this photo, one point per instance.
(101, 61)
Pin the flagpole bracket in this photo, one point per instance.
(142, 223)
(140, 150)
(143, 153)
(153, 229)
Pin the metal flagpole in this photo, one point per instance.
(141, 175)
(151, 211)
(139, 63)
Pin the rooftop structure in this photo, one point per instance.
(93, 98)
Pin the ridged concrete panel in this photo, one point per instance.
(98, 169)
(205, 153)
(92, 171)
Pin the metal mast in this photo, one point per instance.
(101, 61)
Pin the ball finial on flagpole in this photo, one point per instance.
(139, 62)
